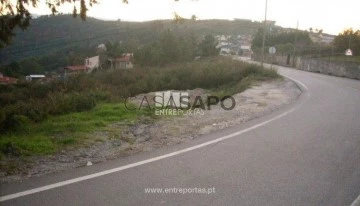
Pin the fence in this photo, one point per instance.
(341, 66)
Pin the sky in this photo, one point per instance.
(332, 16)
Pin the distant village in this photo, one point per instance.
(99, 62)
(227, 45)
(234, 45)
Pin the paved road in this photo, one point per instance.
(305, 154)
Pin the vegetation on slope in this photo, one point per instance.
(44, 118)
(49, 34)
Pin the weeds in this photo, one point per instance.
(41, 119)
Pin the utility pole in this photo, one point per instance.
(295, 41)
(263, 40)
(349, 41)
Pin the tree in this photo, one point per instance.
(178, 19)
(114, 49)
(208, 46)
(348, 39)
(13, 15)
(194, 17)
(280, 38)
(13, 69)
(168, 49)
(131, 44)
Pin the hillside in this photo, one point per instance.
(49, 34)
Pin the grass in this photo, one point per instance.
(257, 74)
(58, 132)
(223, 76)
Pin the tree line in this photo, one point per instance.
(348, 39)
(172, 49)
(288, 42)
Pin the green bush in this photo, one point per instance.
(21, 123)
(10, 149)
(60, 103)
(14, 123)
(83, 102)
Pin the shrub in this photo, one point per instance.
(60, 103)
(24, 103)
(10, 149)
(20, 123)
(82, 102)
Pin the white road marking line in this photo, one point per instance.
(79, 179)
(118, 169)
(356, 202)
(298, 82)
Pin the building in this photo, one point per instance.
(243, 20)
(325, 39)
(34, 77)
(245, 50)
(7, 80)
(225, 50)
(269, 22)
(77, 69)
(92, 63)
(123, 62)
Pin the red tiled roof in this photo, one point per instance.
(8, 80)
(123, 59)
(76, 68)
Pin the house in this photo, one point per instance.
(269, 22)
(245, 50)
(123, 62)
(92, 63)
(225, 51)
(77, 69)
(7, 80)
(243, 20)
(222, 38)
(222, 44)
(128, 54)
(34, 77)
(325, 39)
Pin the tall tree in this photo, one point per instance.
(194, 17)
(169, 47)
(208, 46)
(348, 39)
(280, 38)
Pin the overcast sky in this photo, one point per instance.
(332, 16)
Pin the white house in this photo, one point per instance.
(245, 47)
(225, 51)
(222, 44)
(92, 63)
(34, 77)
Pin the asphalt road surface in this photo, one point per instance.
(307, 153)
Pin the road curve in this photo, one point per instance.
(307, 153)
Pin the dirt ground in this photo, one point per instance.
(123, 139)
